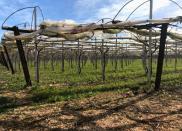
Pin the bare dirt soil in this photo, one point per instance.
(107, 111)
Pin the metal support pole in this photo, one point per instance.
(36, 50)
(22, 58)
(161, 56)
(8, 59)
(150, 46)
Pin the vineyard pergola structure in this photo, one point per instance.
(111, 38)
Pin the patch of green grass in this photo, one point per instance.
(59, 86)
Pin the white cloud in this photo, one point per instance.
(110, 10)
(175, 9)
(158, 4)
(176, 13)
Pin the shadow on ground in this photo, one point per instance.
(108, 111)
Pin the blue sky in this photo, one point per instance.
(85, 11)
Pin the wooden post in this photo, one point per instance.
(15, 61)
(103, 59)
(1, 61)
(121, 55)
(4, 60)
(161, 56)
(8, 59)
(95, 50)
(116, 55)
(62, 58)
(52, 61)
(44, 59)
(166, 57)
(36, 64)
(176, 55)
(79, 58)
(22, 58)
(71, 59)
